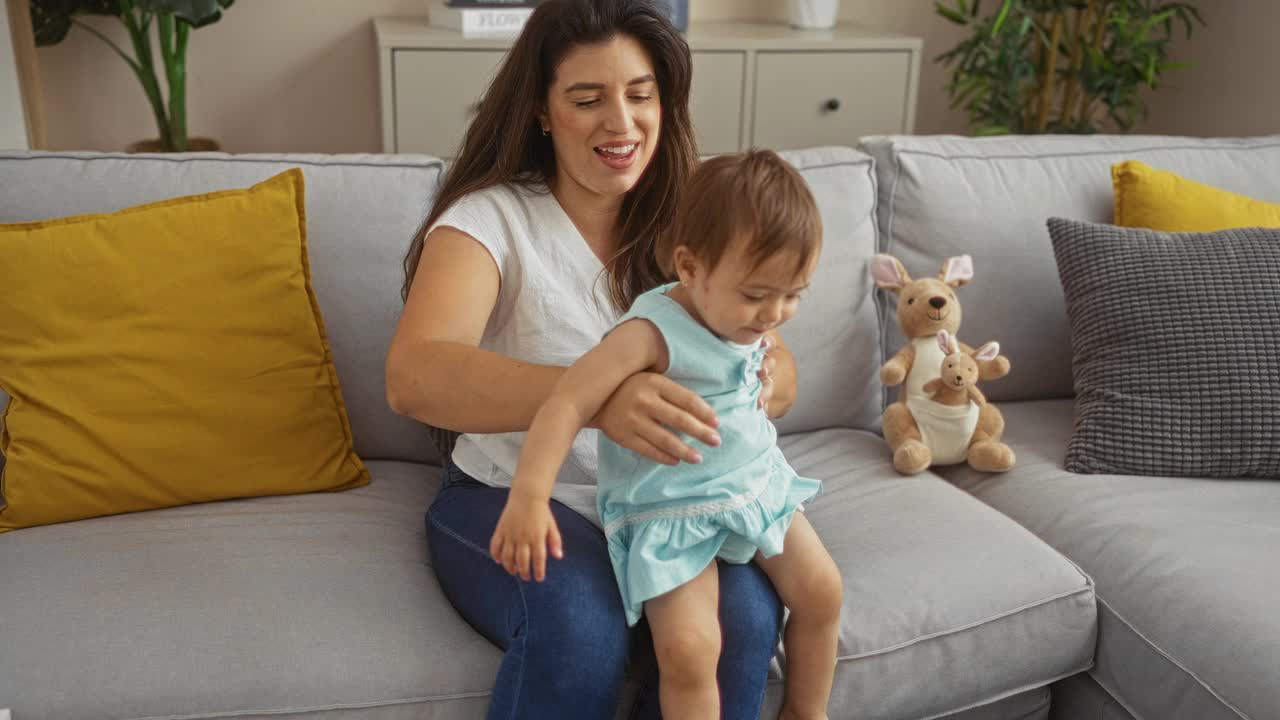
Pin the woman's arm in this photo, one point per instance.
(436, 374)
(779, 375)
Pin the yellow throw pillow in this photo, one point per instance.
(1160, 200)
(166, 354)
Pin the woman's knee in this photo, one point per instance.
(750, 610)
(589, 638)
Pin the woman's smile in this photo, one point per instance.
(618, 155)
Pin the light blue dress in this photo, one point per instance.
(665, 524)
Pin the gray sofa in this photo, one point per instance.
(967, 596)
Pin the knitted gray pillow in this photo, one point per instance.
(1175, 342)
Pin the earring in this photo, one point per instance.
(544, 132)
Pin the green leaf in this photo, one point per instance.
(956, 16)
(1004, 13)
(997, 71)
(196, 13)
(51, 19)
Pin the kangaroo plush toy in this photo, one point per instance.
(956, 383)
(920, 430)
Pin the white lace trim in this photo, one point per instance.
(705, 508)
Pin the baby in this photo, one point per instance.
(744, 243)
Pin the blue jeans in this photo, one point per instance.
(567, 648)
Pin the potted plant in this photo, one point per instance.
(1060, 66)
(173, 21)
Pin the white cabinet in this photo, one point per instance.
(715, 99)
(438, 91)
(825, 98)
(754, 84)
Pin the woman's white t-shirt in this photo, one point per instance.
(553, 306)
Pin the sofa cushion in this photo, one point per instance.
(309, 604)
(362, 211)
(1186, 571)
(835, 336)
(948, 604)
(990, 197)
(325, 606)
(1081, 697)
(1158, 199)
(1175, 351)
(180, 386)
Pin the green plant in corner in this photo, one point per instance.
(173, 21)
(1062, 66)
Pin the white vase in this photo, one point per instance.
(813, 14)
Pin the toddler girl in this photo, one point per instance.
(744, 243)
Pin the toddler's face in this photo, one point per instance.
(741, 304)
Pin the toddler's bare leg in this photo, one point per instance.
(686, 638)
(809, 584)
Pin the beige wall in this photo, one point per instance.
(301, 75)
(1234, 87)
(13, 121)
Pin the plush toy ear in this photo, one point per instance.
(889, 273)
(990, 351)
(944, 341)
(957, 271)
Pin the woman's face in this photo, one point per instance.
(604, 115)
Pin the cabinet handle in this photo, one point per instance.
(832, 105)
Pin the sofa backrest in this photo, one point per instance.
(835, 336)
(362, 211)
(990, 198)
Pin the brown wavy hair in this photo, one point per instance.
(754, 195)
(505, 144)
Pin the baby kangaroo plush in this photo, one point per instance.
(956, 383)
(920, 431)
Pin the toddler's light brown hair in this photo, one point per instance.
(755, 196)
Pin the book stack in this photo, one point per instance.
(482, 18)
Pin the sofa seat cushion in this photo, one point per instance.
(1186, 571)
(948, 604)
(324, 605)
(317, 605)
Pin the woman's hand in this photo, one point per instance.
(524, 533)
(766, 375)
(643, 411)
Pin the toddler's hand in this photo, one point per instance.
(524, 533)
(766, 376)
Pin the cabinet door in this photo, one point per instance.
(435, 94)
(807, 98)
(715, 100)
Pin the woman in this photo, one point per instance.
(542, 234)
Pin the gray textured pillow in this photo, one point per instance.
(1175, 343)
